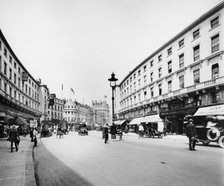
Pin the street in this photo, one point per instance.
(86, 160)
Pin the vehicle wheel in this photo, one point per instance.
(213, 134)
(206, 142)
(221, 141)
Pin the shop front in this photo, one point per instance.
(174, 119)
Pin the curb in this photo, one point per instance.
(29, 168)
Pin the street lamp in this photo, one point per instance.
(113, 86)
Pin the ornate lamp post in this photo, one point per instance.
(112, 80)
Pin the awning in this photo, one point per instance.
(21, 121)
(151, 119)
(212, 110)
(119, 122)
(135, 121)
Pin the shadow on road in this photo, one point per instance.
(51, 171)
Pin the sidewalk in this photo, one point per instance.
(16, 169)
(168, 136)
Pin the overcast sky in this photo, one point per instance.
(79, 43)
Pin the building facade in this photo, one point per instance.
(55, 110)
(76, 113)
(102, 112)
(184, 74)
(19, 91)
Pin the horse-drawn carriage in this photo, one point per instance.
(83, 129)
(59, 133)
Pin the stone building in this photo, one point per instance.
(182, 76)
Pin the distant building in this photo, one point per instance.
(55, 109)
(76, 113)
(183, 75)
(102, 112)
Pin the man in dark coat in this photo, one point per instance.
(113, 131)
(106, 133)
(13, 136)
(191, 134)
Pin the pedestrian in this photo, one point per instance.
(191, 134)
(119, 132)
(35, 137)
(113, 131)
(140, 131)
(106, 133)
(31, 134)
(14, 137)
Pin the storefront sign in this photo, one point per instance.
(212, 110)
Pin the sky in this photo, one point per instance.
(79, 43)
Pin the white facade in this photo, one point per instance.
(185, 73)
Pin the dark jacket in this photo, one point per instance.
(191, 130)
(113, 130)
(13, 134)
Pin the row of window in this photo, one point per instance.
(196, 78)
(196, 52)
(16, 95)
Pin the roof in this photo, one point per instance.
(184, 31)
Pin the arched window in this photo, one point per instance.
(215, 71)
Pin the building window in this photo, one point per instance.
(151, 63)
(139, 72)
(215, 71)
(15, 94)
(26, 88)
(5, 52)
(169, 51)
(10, 73)
(181, 43)
(196, 34)
(14, 64)
(215, 43)
(19, 82)
(196, 53)
(139, 82)
(10, 59)
(214, 22)
(170, 67)
(160, 72)
(10, 91)
(151, 76)
(160, 89)
(181, 60)
(160, 58)
(196, 75)
(152, 93)
(14, 78)
(0, 45)
(5, 68)
(19, 70)
(144, 68)
(170, 86)
(145, 78)
(145, 94)
(0, 63)
(130, 79)
(181, 81)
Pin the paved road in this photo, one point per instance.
(86, 160)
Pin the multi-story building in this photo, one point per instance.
(75, 113)
(19, 91)
(184, 74)
(102, 112)
(55, 110)
(44, 96)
